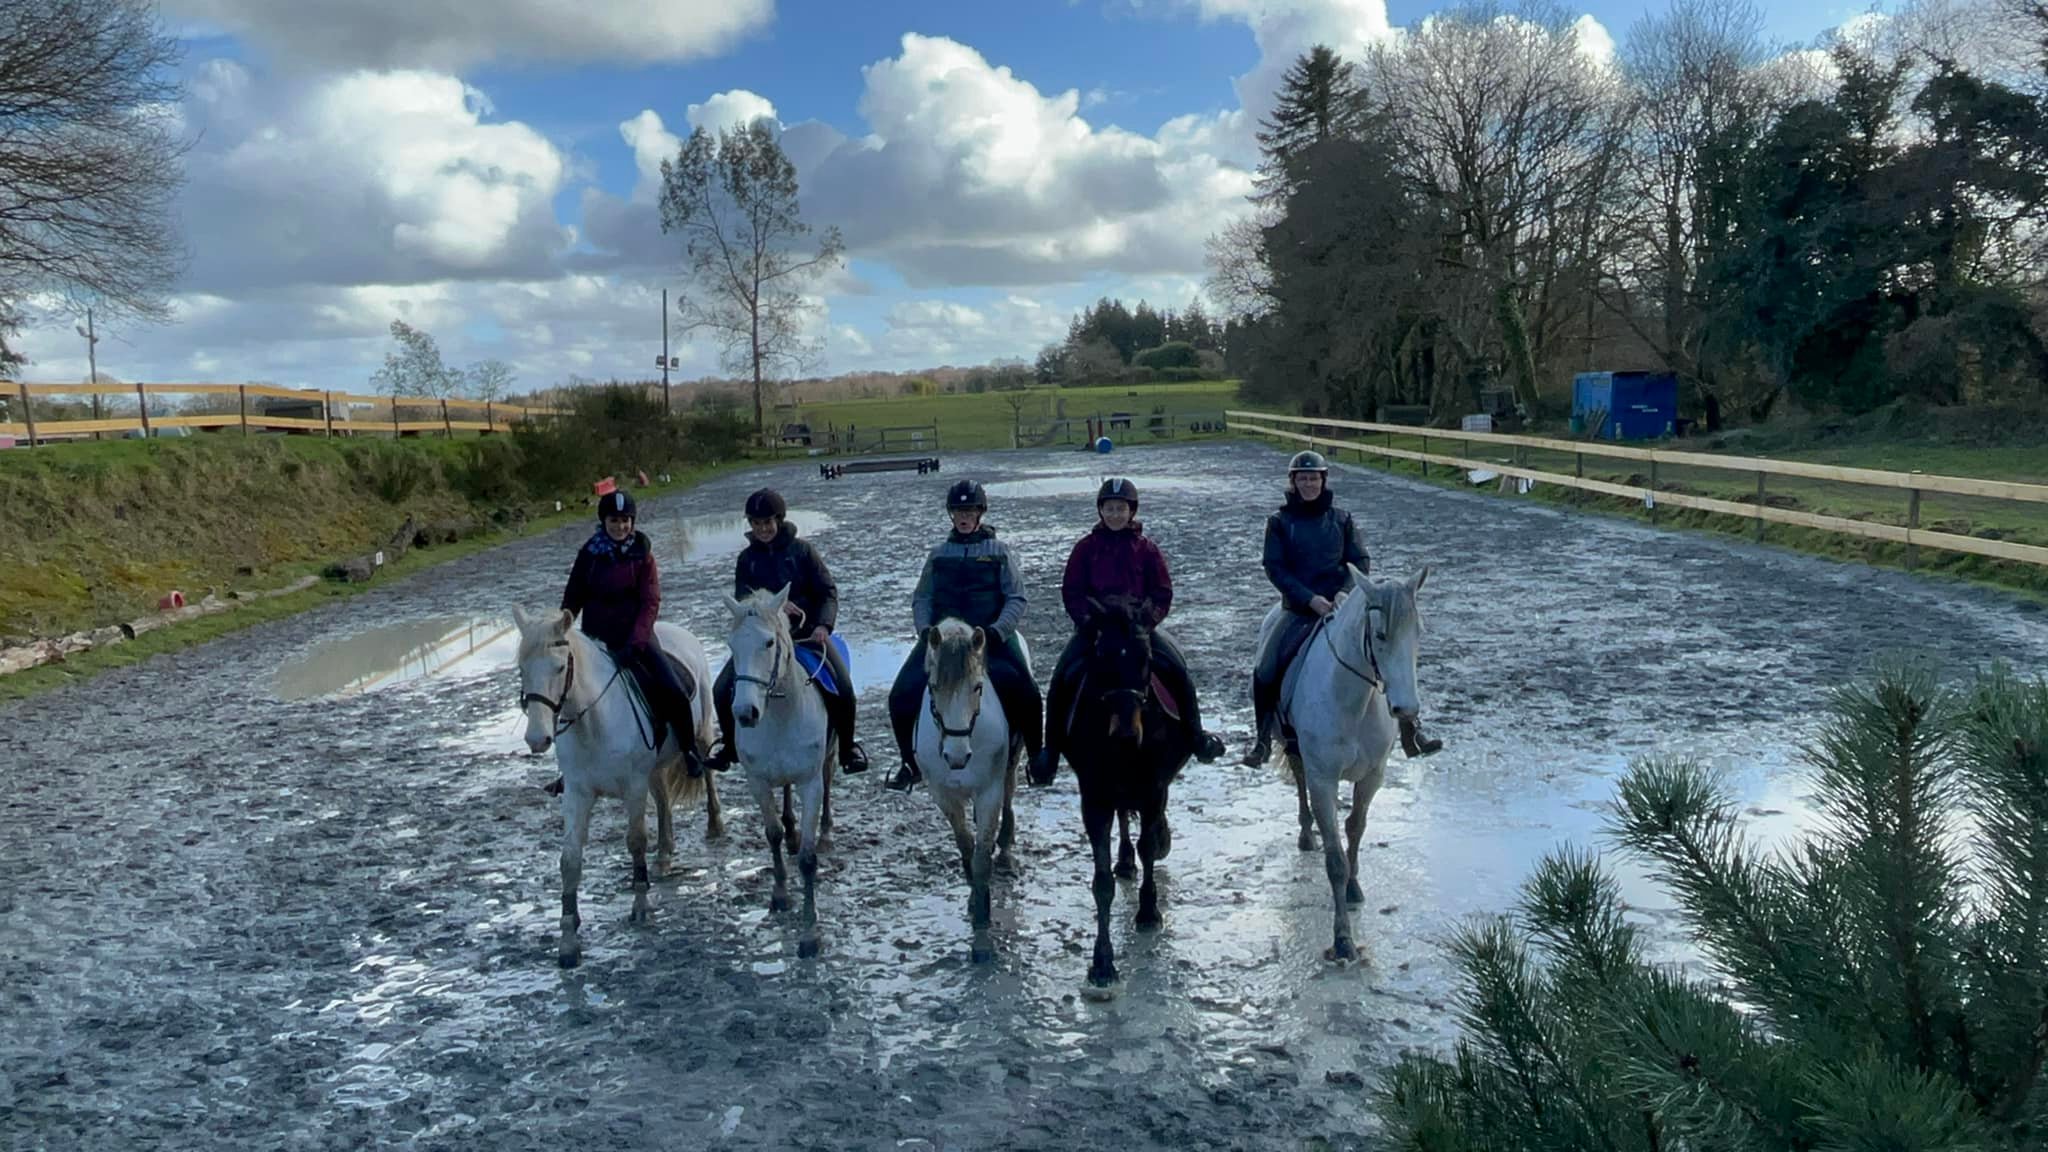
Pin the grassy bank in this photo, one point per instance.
(97, 532)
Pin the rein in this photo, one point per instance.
(785, 654)
(555, 704)
(1373, 679)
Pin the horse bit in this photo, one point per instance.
(555, 704)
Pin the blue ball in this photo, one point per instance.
(1103, 445)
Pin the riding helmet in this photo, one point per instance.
(767, 504)
(1118, 488)
(966, 495)
(1307, 462)
(617, 502)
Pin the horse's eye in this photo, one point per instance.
(768, 644)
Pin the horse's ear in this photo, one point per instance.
(1415, 585)
(563, 621)
(737, 606)
(1358, 577)
(980, 639)
(781, 597)
(521, 620)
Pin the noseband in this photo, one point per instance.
(939, 722)
(555, 704)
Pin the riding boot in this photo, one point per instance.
(1414, 743)
(852, 758)
(906, 696)
(726, 754)
(672, 709)
(1263, 708)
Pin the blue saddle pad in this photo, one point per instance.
(814, 664)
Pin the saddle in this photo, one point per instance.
(637, 691)
(1168, 703)
(819, 671)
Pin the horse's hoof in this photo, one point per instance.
(1353, 894)
(778, 904)
(1341, 952)
(1150, 923)
(1126, 870)
(570, 959)
(824, 845)
(1306, 841)
(983, 954)
(1005, 865)
(807, 948)
(639, 913)
(715, 830)
(1102, 977)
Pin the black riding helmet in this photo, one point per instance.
(767, 504)
(1117, 488)
(1307, 462)
(617, 502)
(966, 495)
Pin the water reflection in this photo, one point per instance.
(1062, 486)
(400, 653)
(714, 539)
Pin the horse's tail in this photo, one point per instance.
(682, 788)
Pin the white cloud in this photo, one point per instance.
(729, 110)
(364, 178)
(459, 33)
(1595, 42)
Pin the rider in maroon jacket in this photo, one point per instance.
(615, 586)
(1117, 559)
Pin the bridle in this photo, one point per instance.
(1375, 680)
(556, 703)
(785, 655)
(939, 722)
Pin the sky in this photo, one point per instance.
(488, 172)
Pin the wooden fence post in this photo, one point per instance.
(327, 411)
(1760, 507)
(447, 429)
(490, 419)
(28, 414)
(1425, 454)
(142, 400)
(242, 392)
(1653, 489)
(1912, 525)
(395, 434)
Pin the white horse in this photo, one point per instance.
(1354, 681)
(783, 740)
(969, 756)
(576, 700)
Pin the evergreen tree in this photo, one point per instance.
(1883, 986)
(1321, 98)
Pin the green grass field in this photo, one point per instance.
(975, 421)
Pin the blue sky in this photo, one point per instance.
(360, 160)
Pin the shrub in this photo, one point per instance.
(1884, 986)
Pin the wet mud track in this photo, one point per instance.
(297, 888)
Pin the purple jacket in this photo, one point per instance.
(617, 589)
(1125, 563)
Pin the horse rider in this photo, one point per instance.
(774, 559)
(969, 576)
(615, 587)
(1309, 541)
(1117, 559)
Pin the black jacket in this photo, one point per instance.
(1307, 546)
(789, 563)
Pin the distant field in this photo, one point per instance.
(980, 421)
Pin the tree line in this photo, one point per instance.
(1110, 341)
(1486, 204)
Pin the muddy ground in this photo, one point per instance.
(297, 888)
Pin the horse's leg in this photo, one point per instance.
(963, 835)
(1126, 856)
(1324, 801)
(1354, 830)
(788, 815)
(808, 940)
(576, 804)
(664, 819)
(1006, 836)
(988, 818)
(1307, 841)
(714, 813)
(825, 803)
(1098, 818)
(1150, 832)
(764, 794)
(636, 843)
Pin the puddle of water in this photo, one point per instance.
(714, 539)
(392, 654)
(1064, 486)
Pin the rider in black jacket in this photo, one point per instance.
(775, 559)
(1309, 542)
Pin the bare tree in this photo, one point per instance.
(490, 379)
(90, 155)
(1240, 278)
(734, 199)
(415, 369)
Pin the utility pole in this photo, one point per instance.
(665, 406)
(92, 361)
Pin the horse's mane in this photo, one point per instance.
(955, 652)
(759, 605)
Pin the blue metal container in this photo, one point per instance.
(1625, 405)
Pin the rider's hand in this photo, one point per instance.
(790, 609)
(819, 636)
(1321, 606)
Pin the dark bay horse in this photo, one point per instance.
(1126, 751)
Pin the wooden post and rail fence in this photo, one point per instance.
(1911, 484)
(304, 411)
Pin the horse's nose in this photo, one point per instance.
(539, 744)
(747, 717)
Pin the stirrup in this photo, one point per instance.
(905, 778)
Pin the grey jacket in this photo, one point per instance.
(974, 579)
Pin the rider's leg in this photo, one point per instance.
(906, 696)
(671, 703)
(1021, 705)
(1173, 668)
(1059, 702)
(851, 758)
(1266, 678)
(721, 702)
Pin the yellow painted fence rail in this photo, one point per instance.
(308, 410)
(1912, 483)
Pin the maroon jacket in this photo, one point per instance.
(616, 588)
(1125, 563)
